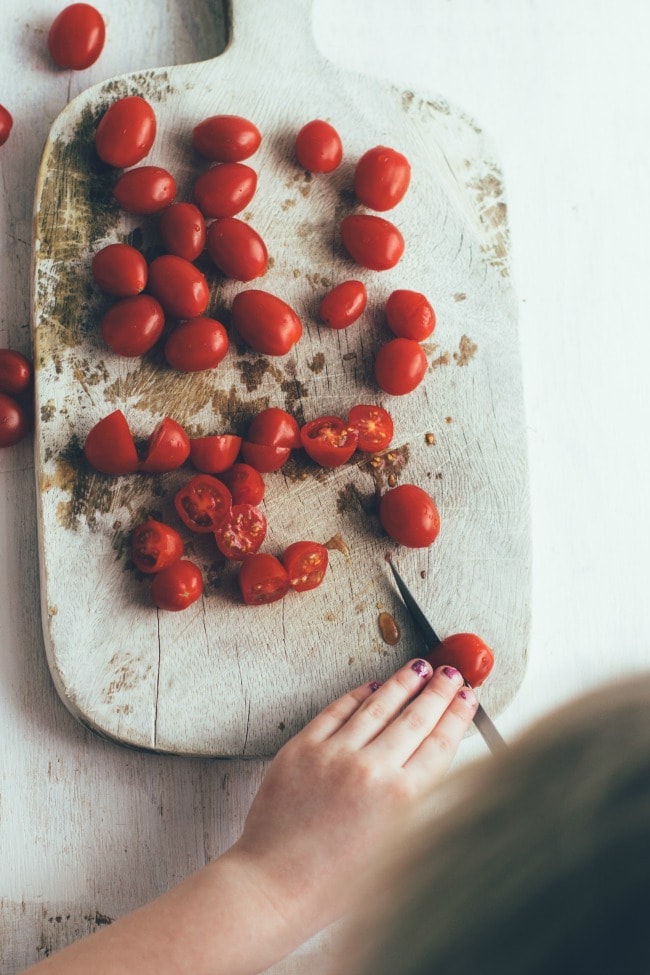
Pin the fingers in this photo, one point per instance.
(434, 755)
(335, 715)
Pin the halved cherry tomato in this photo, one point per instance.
(155, 545)
(409, 315)
(245, 484)
(381, 178)
(182, 230)
(213, 455)
(119, 270)
(196, 344)
(267, 323)
(6, 122)
(14, 422)
(126, 132)
(224, 190)
(374, 426)
(76, 36)
(263, 457)
(371, 241)
(179, 286)
(16, 372)
(226, 138)
(400, 366)
(344, 304)
(318, 147)
(410, 516)
(467, 653)
(275, 428)
(167, 449)
(109, 446)
(203, 503)
(262, 579)
(145, 190)
(329, 441)
(236, 249)
(242, 533)
(178, 586)
(306, 563)
(133, 325)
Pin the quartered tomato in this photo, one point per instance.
(224, 190)
(262, 579)
(263, 457)
(14, 422)
(119, 270)
(226, 138)
(242, 533)
(132, 326)
(329, 441)
(237, 249)
(371, 241)
(178, 586)
(245, 484)
(400, 366)
(275, 428)
(109, 446)
(167, 449)
(374, 426)
(267, 323)
(76, 36)
(318, 147)
(381, 178)
(145, 190)
(196, 344)
(344, 304)
(6, 123)
(306, 563)
(126, 132)
(155, 545)
(215, 454)
(203, 503)
(179, 286)
(409, 315)
(410, 516)
(467, 653)
(16, 372)
(182, 230)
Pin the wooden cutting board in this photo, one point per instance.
(220, 678)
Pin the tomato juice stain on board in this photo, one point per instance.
(466, 351)
(389, 628)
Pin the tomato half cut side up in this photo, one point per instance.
(262, 579)
(242, 533)
(155, 545)
(468, 653)
(109, 446)
(203, 504)
(374, 426)
(329, 441)
(306, 563)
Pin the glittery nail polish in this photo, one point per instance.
(421, 668)
(468, 696)
(374, 685)
(452, 673)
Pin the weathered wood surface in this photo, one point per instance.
(222, 679)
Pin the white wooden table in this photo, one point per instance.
(89, 829)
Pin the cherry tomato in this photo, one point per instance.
(243, 532)
(155, 545)
(16, 372)
(318, 147)
(76, 36)
(203, 503)
(245, 483)
(167, 449)
(226, 138)
(374, 426)
(182, 230)
(14, 422)
(126, 132)
(371, 241)
(306, 563)
(410, 516)
(179, 286)
(329, 441)
(224, 190)
(145, 190)
(268, 324)
(400, 366)
(196, 344)
(381, 178)
(262, 579)
(109, 446)
(409, 315)
(6, 122)
(467, 653)
(275, 428)
(133, 325)
(178, 586)
(263, 457)
(213, 455)
(237, 250)
(343, 304)
(120, 270)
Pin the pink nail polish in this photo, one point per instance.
(374, 685)
(421, 668)
(452, 673)
(469, 697)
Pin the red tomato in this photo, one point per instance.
(410, 516)
(16, 372)
(306, 563)
(245, 484)
(318, 147)
(203, 503)
(409, 315)
(182, 230)
(167, 449)
(110, 447)
(381, 178)
(237, 250)
(343, 304)
(6, 122)
(213, 455)
(225, 190)
(467, 653)
(374, 426)
(268, 324)
(226, 138)
(76, 36)
(263, 457)
(179, 286)
(400, 366)
(196, 344)
(262, 579)
(145, 190)
(275, 428)
(178, 586)
(371, 241)
(133, 325)
(329, 441)
(243, 532)
(126, 132)
(14, 422)
(119, 270)
(155, 545)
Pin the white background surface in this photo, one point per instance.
(89, 829)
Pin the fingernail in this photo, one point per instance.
(453, 674)
(468, 696)
(421, 668)
(374, 685)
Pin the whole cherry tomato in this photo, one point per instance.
(245, 483)
(409, 315)
(76, 36)
(132, 326)
(14, 422)
(120, 270)
(203, 503)
(182, 230)
(467, 653)
(275, 428)
(262, 579)
(410, 516)
(155, 545)
(263, 457)
(371, 241)
(178, 586)
(329, 441)
(215, 454)
(306, 564)
(318, 147)
(109, 446)
(16, 372)
(167, 449)
(226, 138)
(196, 344)
(242, 533)
(224, 190)
(179, 286)
(374, 426)
(145, 190)
(126, 132)
(400, 366)
(381, 178)
(237, 249)
(267, 323)
(6, 122)
(344, 304)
